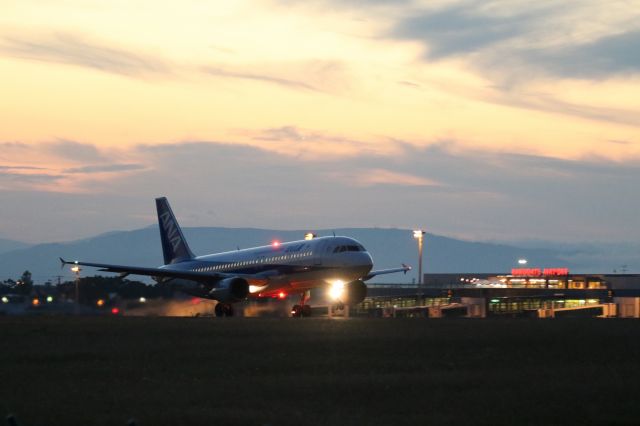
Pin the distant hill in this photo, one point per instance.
(10, 245)
(389, 248)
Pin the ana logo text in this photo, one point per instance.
(171, 230)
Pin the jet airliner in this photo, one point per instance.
(295, 267)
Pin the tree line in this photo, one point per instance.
(90, 288)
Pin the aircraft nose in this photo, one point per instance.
(367, 260)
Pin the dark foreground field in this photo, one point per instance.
(174, 371)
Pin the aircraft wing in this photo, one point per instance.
(372, 274)
(163, 272)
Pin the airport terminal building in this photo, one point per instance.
(522, 292)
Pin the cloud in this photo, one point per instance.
(453, 190)
(292, 84)
(77, 151)
(551, 104)
(24, 181)
(459, 29)
(549, 38)
(606, 56)
(29, 178)
(325, 76)
(77, 49)
(7, 168)
(287, 133)
(105, 168)
(316, 145)
(375, 177)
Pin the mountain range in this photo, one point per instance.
(389, 248)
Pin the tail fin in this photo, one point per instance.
(174, 245)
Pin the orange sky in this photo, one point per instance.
(313, 82)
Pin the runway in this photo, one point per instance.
(106, 370)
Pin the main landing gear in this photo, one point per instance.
(302, 310)
(224, 310)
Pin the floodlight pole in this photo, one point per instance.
(76, 270)
(419, 235)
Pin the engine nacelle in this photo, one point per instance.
(230, 290)
(354, 292)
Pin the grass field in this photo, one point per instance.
(175, 371)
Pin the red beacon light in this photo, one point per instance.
(115, 311)
(275, 243)
(282, 295)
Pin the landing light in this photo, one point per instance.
(256, 288)
(336, 290)
(282, 295)
(100, 302)
(309, 236)
(5, 299)
(35, 302)
(143, 299)
(49, 299)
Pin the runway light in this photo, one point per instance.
(5, 299)
(115, 311)
(336, 290)
(49, 299)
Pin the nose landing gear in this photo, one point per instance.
(302, 310)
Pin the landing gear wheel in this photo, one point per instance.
(223, 310)
(301, 311)
(296, 311)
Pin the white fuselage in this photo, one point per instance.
(290, 266)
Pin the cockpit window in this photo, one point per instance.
(340, 249)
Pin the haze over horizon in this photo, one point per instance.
(482, 120)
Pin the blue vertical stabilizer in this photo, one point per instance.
(174, 245)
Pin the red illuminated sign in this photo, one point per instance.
(556, 271)
(537, 272)
(526, 272)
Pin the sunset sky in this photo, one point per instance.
(484, 120)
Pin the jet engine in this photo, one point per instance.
(230, 290)
(354, 292)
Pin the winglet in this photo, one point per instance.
(62, 262)
(406, 268)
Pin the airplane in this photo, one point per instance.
(273, 270)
